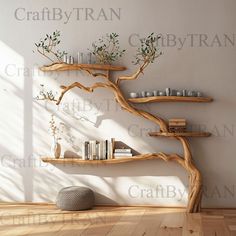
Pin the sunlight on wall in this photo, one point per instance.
(11, 103)
(12, 121)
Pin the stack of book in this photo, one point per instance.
(98, 150)
(123, 152)
(177, 125)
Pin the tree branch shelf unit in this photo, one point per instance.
(185, 160)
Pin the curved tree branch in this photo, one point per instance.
(135, 75)
(79, 85)
(195, 179)
(119, 98)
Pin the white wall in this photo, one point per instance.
(24, 122)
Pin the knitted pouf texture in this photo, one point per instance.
(75, 198)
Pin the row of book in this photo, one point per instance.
(177, 125)
(103, 150)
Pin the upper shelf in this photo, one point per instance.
(170, 99)
(65, 67)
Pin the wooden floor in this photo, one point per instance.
(45, 220)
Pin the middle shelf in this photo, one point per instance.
(170, 99)
(182, 134)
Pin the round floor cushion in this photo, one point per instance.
(75, 198)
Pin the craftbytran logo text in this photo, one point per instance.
(76, 14)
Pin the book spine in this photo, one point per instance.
(86, 151)
(102, 151)
(112, 147)
(110, 150)
(106, 149)
(98, 146)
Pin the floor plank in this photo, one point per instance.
(47, 220)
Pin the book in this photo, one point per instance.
(177, 122)
(98, 150)
(112, 147)
(177, 129)
(85, 150)
(92, 150)
(98, 146)
(123, 150)
(118, 154)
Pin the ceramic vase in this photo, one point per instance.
(56, 149)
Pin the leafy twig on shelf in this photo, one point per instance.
(47, 47)
(146, 54)
(107, 49)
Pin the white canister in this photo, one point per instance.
(64, 58)
(89, 58)
(71, 60)
(80, 58)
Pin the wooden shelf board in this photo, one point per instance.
(65, 67)
(170, 99)
(78, 161)
(183, 134)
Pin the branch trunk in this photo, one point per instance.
(195, 180)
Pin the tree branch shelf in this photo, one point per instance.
(170, 99)
(185, 160)
(66, 67)
(142, 157)
(183, 134)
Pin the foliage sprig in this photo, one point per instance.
(48, 47)
(148, 50)
(107, 49)
(46, 95)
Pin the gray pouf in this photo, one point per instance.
(75, 198)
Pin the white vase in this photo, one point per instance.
(56, 149)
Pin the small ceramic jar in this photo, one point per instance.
(179, 93)
(89, 58)
(173, 92)
(168, 91)
(133, 95)
(190, 93)
(162, 93)
(143, 94)
(71, 60)
(149, 94)
(80, 58)
(199, 94)
(65, 58)
(155, 93)
(185, 93)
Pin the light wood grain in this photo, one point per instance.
(143, 157)
(37, 220)
(170, 99)
(183, 134)
(65, 67)
(195, 180)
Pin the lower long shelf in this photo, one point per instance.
(148, 156)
